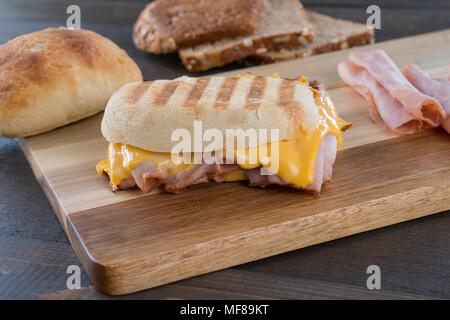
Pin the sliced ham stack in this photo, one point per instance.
(147, 176)
(394, 101)
(436, 88)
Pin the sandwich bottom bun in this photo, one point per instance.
(57, 76)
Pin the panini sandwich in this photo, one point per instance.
(140, 119)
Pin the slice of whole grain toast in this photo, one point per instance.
(166, 25)
(330, 35)
(282, 24)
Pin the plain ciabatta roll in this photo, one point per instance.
(145, 114)
(53, 77)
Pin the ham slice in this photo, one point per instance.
(436, 88)
(198, 174)
(326, 155)
(385, 72)
(394, 101)
(147, 176)
(384, 109)
(125, 184)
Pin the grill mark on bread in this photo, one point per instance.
(165, 93)
(209, 95)
(256, 93)
(225, 93)
(286, 93)
(137, 92)
(196, 93)
(287, 100)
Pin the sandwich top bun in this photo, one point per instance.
(56, 76)
(146, 114)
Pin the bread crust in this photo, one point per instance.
(356, 40)
(146, 114)
(53, 77)
(265, 38)
(166, 25)
(356, 35)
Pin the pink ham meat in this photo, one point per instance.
(385, 72)
(199, 174)
(394, 101)
(384, 109)
(147, 176)
(436, 88)
(324, 163)
(125, 184)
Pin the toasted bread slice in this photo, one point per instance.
(165, 25)
(282, 24)
(330, 35)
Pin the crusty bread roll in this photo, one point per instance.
(53, 77)
(146, 114)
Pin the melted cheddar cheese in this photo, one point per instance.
(122, 158)
(296, 161)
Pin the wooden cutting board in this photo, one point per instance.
(129, 241)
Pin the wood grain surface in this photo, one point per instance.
(34, 251)
(130, 241)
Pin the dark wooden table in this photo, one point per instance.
(414, 256)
